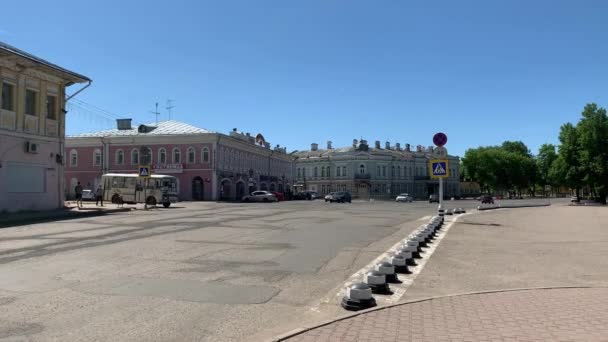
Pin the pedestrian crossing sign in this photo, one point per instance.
(440, 168)
(145, 171)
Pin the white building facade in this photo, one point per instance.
(373, 172)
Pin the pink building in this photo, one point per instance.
(32, 130)
(208, 165)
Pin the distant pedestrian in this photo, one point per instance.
(99, 195)
(78, 192)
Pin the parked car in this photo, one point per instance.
(574, 199)
(313, 194)
(88, 195)
(404, 198)
(302, 196)
(340, 197)
(279, 195)
(328, 196)
(487, 199)
(260, 196)
(433, 198)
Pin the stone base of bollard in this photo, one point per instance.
(402, 269)
(380, 288)
(416, 255)
(411, 262)
(357, 304)
(392, 278)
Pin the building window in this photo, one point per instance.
(134, 157)
(191, 157)
(338, 171)
(322, 171)
(393, 171)
(361, 169)
(8, 96)
(304, 172)
(343, 171)
(399, 171)
(177, 156)
(162, 156)
(384, 171)
(315, 172)
(378, 171)
(73, 158)
(97, 157)
(51, 107)
(299, 173)
(120, 157)
(328, 172)
(206, 155)
(31, 102)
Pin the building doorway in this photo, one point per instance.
(240, 190)
(197, 189)
(363, 191)
(225, 190)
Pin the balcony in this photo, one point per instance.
(363, 176)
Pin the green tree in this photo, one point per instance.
(567, 167)
(592, 132)
(544, 161)
(516, 147)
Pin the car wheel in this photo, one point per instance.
(246, 200)
(265, 200)
(151, 201)
(166, 204)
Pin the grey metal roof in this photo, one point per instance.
(19, 52)
(170, 127)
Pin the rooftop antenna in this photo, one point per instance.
(169, 107)
(156, 113)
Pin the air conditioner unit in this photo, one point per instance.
(31, 147)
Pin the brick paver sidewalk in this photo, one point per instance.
(565, 314)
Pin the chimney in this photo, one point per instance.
(329, 145)
(314, 146)
(387, 145)
(398, 146)
(123, 124)
(355, 142)
(408, 148)
(377, 144)
(234, 129)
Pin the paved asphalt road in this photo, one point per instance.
(199, 271)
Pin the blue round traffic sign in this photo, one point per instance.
(440, 139)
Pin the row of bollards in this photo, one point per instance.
(360, 295)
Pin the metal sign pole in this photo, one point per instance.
(440, 194)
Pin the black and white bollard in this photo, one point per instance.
(399, 261)
(406, 252)
(416, 251)
(358, 297)
(377, 282)
(388, 270)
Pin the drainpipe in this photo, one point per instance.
(78, 92)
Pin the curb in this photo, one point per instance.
(59, 217)
(514, 206)
(302, 330)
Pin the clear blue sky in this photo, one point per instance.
(312, 71)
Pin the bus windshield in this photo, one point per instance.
(169, 184)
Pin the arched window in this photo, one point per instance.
(205, 155)
(134, 157)
(343, 171)
(383, 171)
(145, 156)
(73, 158)
(299, 173)
(97, 157)
(315, 173)
(191, 156)
(304, 172)
(393, 171)
(361, 169)
(120, 157)
(378, 171)
(328, 172)
(399, 171)
(177, 156)
(322, 171)
(162, 156)
(338, 171)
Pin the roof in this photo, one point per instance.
(11, 49)
(135, 175)
(321, 153)
(169, 127)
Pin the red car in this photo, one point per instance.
(279, 195)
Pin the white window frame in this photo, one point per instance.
(73, 153)
(36, 102)
(205, 160)
(116, 154)
(14, 97)
(188, 150)
(133, 152)
(95, 152)
(162, 151)
(179, 151)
